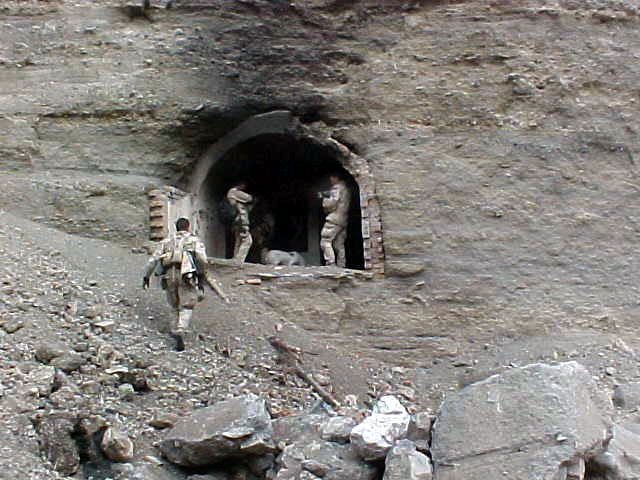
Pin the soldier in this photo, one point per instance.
(181, 260)
(335, 203)
(242, 202)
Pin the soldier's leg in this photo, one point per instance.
(338, 245)
(173, 297)
(245, 243)
(184, 320)
(327, 236)
(188, 299)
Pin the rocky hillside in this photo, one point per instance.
(502, 141)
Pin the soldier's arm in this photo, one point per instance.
(331, 202)
(151, 264)
(240, 196)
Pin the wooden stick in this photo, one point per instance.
(292, 356)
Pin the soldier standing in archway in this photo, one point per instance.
(242, 202)
(335, 204)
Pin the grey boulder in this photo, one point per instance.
(338, 429)
(230, 429)
(540, 421)
(627, 396)
(321, 459)
(388, 422)
(404, 462)
(621, 460)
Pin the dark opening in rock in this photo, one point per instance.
(284, 174)
(285, 165)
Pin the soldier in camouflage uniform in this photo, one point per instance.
(335, 204)
(242, 202)
(181, 260)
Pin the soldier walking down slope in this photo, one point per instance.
(335, 203)
(181, 261)
(242, 202)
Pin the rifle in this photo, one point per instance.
(216, 288)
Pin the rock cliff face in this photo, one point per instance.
(500, 136)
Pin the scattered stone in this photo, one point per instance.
(338, 429)
(259, 465)
(12, 325)
(519, 409)
(234, 428)
(42, 379)
(627, 396)
(321, 459)
(48, 351)
(107, 354)
(420, 430)
(126, 392)
(57, 443)
(163, 420)
(116, 445)
(68, 362)
(93, 311)
(106, 325)
(404, 269)
(403, 462)
(375, 436)
(137, 378)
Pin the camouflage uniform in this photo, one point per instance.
(179, 279)
(243, 203)
(334, 231)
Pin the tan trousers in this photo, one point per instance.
(242, 242)
(182, 299)
(332, 238)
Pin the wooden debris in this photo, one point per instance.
(292, 357)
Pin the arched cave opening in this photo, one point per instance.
(285, 174)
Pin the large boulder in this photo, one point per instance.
(404, 462)
(388, 422)
(621, 460)
(230, 429)
(538, 421)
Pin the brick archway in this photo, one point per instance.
(283, 123)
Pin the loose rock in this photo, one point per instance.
(404, 462)
(627, 396)
(375, 436)
(338, 429)
(230, 429)
(116, 445)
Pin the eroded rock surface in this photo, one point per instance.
(536, 421)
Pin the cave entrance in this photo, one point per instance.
(285, 166)
(284, 174)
